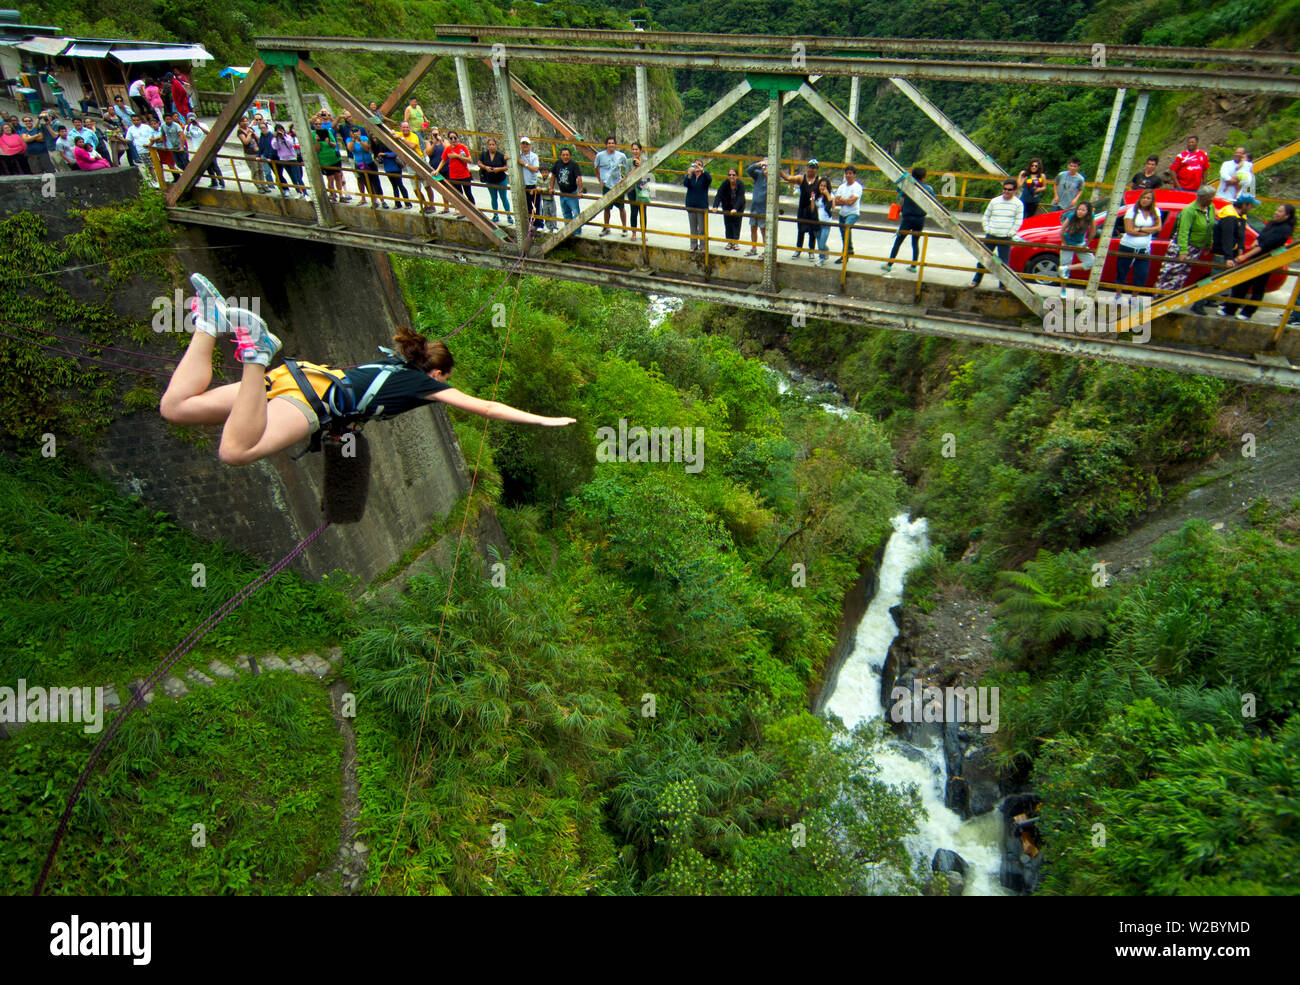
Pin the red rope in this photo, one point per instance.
(82, 355)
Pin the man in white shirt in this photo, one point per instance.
(531, 167)
(611, 165)
(1002, 218)
(195, 133)
(848, 196)
(141, 134)
(136, 92)
(1229, 176)
(1246, 177)
(65, 145)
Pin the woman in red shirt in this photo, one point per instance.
(457, 157)
(180, 98)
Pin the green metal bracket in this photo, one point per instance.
(772, 84)
(279, 59)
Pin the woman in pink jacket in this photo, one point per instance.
(153, 96)
(13, 151)
(87, 158)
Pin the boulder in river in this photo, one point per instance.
(945, 884)
(946, 860)
(956, 796)
(981, 778)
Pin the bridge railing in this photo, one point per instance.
(212, 102)
(960, 191)
(665, 220)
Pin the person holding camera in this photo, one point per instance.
(697, 183)
(40, 138)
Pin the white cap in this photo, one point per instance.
(524, 140)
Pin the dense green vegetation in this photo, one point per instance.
(1007, 450)
(254, 761)
(630, 583)
(1158, 718)
(630, 704)
(99, 588)
(48, 392)
(619, 705)
(1013, 123)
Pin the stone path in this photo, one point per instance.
(176, 687)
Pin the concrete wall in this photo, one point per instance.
(328, 304)
(53, 196)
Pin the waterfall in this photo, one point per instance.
(856, 698)
(660, 306)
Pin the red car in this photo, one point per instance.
(1037, 246)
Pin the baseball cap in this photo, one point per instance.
(812, 163)
(1247, 199)
(524, 140)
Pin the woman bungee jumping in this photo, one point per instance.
(269, 410)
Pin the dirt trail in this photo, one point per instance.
(1221, 492)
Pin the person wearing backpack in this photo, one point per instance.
(331, 161)
(269, 410)
(911, 219)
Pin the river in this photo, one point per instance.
(856, 698)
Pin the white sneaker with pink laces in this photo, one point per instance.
(254, 343)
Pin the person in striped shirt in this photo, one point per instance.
(1002, 218)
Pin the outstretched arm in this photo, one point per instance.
(495, 410)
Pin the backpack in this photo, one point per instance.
(342, 410)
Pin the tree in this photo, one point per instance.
(1050, 604)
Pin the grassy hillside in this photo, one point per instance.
(1161, 713)
(1013, 123)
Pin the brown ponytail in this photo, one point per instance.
(420, 352)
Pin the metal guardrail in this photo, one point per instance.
(211, 102)
(967, 187)
(863, 232)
